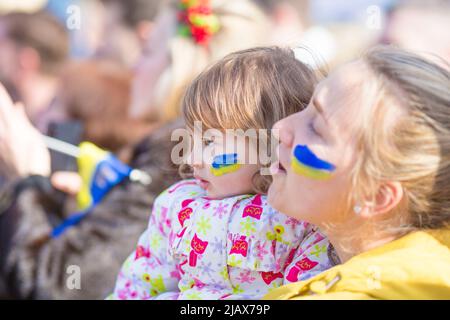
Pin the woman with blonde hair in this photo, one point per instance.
(377, 183)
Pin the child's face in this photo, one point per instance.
(223, 168)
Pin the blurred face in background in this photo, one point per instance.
(420, 29)
(154, 61)
(9, 64)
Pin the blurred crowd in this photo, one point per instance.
(113, 72)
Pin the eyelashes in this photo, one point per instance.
(312, 129)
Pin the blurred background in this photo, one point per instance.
(79, 62)
(113, 72)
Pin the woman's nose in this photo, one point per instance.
(283, 132)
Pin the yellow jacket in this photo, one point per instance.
(416, 266)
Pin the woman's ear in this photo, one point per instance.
(389, 195)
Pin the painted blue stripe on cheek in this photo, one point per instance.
(305, 156)
(224, 160)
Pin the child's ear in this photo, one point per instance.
(389, 195)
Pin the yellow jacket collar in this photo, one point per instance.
(416, 266)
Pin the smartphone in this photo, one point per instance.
(70, 132)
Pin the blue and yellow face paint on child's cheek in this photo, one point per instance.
(306, 163)
(224, 164)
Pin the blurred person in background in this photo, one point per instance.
(97, 94)
(126, 28)
(325, 33)
(171, 59)
(107, 29)
(32, 264)
(289, 19)
(34, 48)
(421, 26)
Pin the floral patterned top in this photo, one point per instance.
(233, 248)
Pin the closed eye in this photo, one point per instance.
(313, 129)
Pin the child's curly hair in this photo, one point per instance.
(249, 89)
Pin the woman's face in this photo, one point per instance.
(154, 61)
(327, 129)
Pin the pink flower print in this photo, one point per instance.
(165, 221)
(176, 274)
(246, 277)
(269, 277)
(273, 247)
(122, 294)
(253, 210)
(198, 247)
(292, 222)
(220, 210)
(240, 246)
(141, 252)
(300, 266)
(198, 284)
(206, 205)
(261, 251)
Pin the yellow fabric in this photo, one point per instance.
(90, 155)
(416, 266)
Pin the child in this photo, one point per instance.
(215, 237)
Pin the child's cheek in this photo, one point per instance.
(225, 164)
(305, 163)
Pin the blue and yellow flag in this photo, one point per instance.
(100, 171)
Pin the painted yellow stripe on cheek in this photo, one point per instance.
(308, 172)
(225, 169)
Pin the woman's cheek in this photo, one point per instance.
(304, 162)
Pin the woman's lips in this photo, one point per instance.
(277, 168)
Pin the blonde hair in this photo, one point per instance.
(242, 25)
(250, 89)
(407, 138)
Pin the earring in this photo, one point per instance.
(357, 209)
